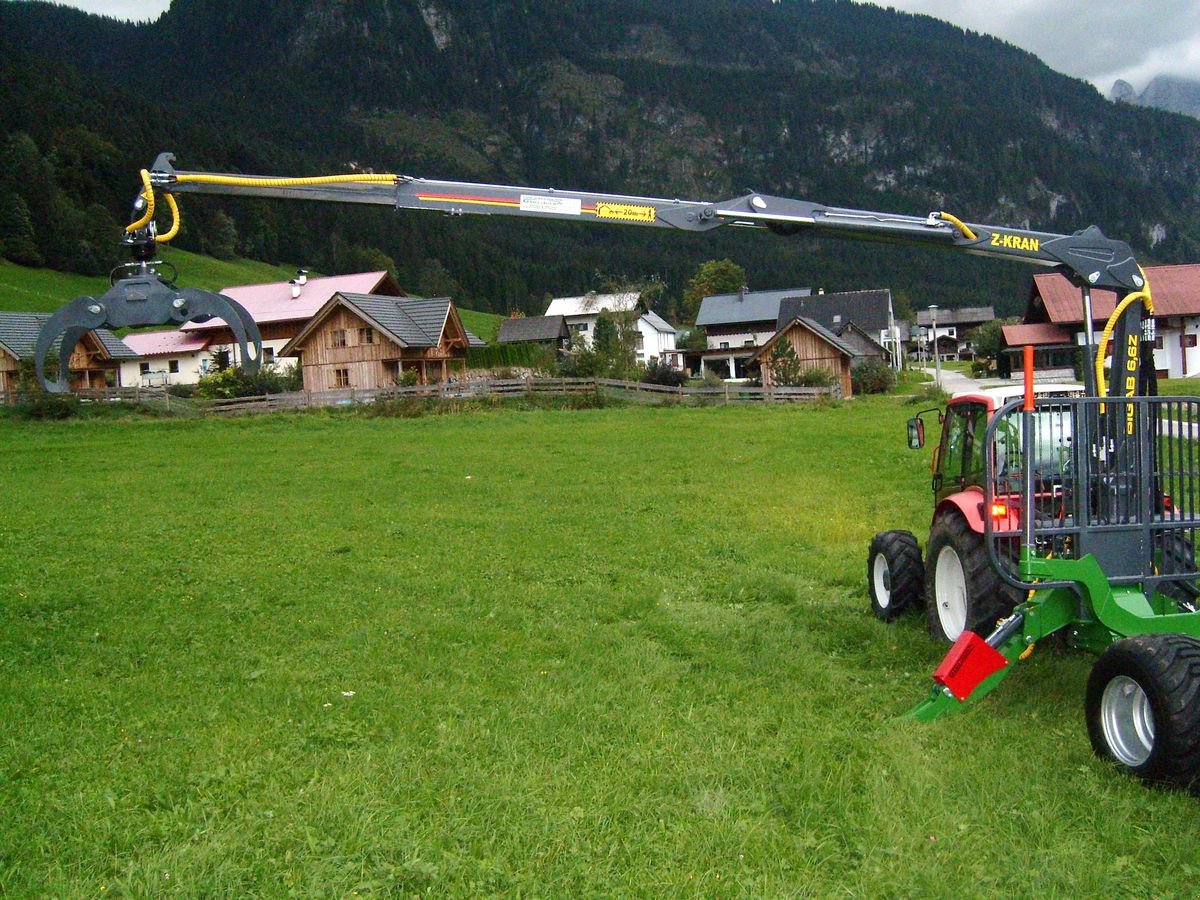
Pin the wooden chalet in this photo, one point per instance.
(370, 341)
(95, 360)
(815, 346)
(547, 331)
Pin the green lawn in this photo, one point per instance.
(597, 653)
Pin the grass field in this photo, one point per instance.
(551, 653)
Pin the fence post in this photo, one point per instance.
(727, 393)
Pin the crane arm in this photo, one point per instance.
(1091, 258)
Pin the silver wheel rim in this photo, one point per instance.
(1127, 720)
(950, 593)
(882, 577)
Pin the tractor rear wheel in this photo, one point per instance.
(1143, 708)
(894, 573)
(962, 590)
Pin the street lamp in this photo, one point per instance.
(937, 357)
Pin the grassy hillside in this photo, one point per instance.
(482, 659)
(23, 289)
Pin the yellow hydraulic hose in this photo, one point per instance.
(246, 181)
(163, 238)
(1111, 324)
(959, 224)
(148, 196)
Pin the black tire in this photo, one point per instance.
(1177, 556)
(894, 574)
(1143, 708)
(962, 590)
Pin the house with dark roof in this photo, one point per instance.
(815, 346)
(864, 319)
(954, 327)
(548, 331)
(737, 325)
(95, 360)
(370, 341)
(1055, 301)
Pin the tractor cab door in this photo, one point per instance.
(958, 463)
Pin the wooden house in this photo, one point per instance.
(370, 341)
(95, 360)
(815, 346)
(547, 331)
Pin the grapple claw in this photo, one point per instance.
(141, 299)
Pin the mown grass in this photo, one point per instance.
(599, 652)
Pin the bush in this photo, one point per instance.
(663, 373)
(712, 379)
(816, 378)
(226, 384)
(182, 390)
(872, 377)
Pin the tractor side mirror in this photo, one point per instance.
(916, 433)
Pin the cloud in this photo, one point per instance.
(1093, 39)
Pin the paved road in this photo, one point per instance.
(954, 382)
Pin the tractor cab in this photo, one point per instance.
(958, 460)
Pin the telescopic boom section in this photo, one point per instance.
(1093, 259)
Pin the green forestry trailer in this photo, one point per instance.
(1054, 515)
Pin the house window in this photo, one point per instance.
(640, 343)
(144, 368)
(1158, 343)
(724, 345)
(173, 367)
(749, 342)
(1189, 340)
(837, 320)
(337, 337)
(366, 335)
(268, 355)
(582, 326)
(341, 378)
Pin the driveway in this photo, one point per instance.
(955, 382)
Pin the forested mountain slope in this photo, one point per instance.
(826, 100)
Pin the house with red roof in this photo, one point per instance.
(282, 308)
(165, 357)
(1054, 320)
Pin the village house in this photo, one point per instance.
(1054, 321)
(372, 340)
(95, 361)
(655, 337)
(864, 320)
(954, 327)
(281, 309)
(736, 326)
(165, 358)
(547, 331)
(815, 347)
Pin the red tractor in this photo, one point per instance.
(961, 589)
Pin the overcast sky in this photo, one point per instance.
(1099, 40)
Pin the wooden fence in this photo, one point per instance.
(629, 390)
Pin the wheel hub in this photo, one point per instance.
(1128, 721)
(883, 582)
(950, 587)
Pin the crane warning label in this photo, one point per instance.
(626, 212)
(562, 206)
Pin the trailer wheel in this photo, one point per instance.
(1143, 708)
(894, 573)
(962, 590)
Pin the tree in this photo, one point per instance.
(786, 369)
(986, 337)
(717, 276)
(18, 242)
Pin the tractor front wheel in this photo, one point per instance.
(1143, 708)
(962, 590)
(893, 573)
